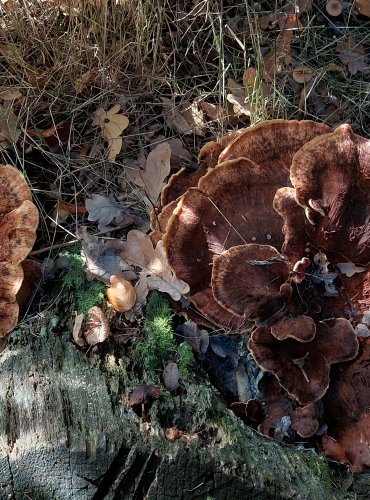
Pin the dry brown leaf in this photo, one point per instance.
(157, 169)
(239, 98)
(8, 94)
(9, 132)
(83, 80)
(179, 155)
(289, 24)
(195, 118)
(214, 111)
(363, 7)
(97, 328)
(112, 124)
(349, 268)
(173, 117)
(352, 54)
(101, 259)
(138, 250)
(76, 332)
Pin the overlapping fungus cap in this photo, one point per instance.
(239, 277)
(232, 205)
(304, 420)
(303, 367)
(331, 177)
(18, 223)
(347, 412)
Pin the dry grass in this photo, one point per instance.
(133, 53)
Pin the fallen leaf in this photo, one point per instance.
(224, 347)
(352, 54)
(104, 210)
(97, 328)
(173, 117)
(349, 268)
(112, 124)
(157, 169)
(288, 24)
(195, 117)
(83, 80)
(241, 383)
(239, 99)
(138, 250)
(196, 338)
(9, 132)
(76, 332)
(101, 259)
(8, 94)
(179, 154)
(171, 377)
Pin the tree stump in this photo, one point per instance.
(66, 432)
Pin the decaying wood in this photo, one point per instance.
(66, 432)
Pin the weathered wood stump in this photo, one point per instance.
(66, 433)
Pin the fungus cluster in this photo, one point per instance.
(260, 233)
(18, 222)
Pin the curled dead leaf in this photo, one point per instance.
(157, 168)
(174, 118)
(76, 332)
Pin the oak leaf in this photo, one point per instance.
(174, 118)
(157, 168)
(352, 54)
(138, 251)
(112, 124)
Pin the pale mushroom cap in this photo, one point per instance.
(121, 294)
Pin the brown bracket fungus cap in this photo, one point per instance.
(18, 223)
(229, 208)
(303, 368)
(347, 412)
(331, 175)
(239, 278)
(232, 205)
(273, 143)
(304, 420)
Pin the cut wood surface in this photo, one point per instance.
(66, 433)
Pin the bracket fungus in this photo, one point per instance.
(262, 233)
(18, 222)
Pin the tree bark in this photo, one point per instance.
(66, 432)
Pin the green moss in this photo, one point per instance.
(86, 294)
(319, 467)
(159, 343)
(186, 359)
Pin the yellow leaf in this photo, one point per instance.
(112, 124)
